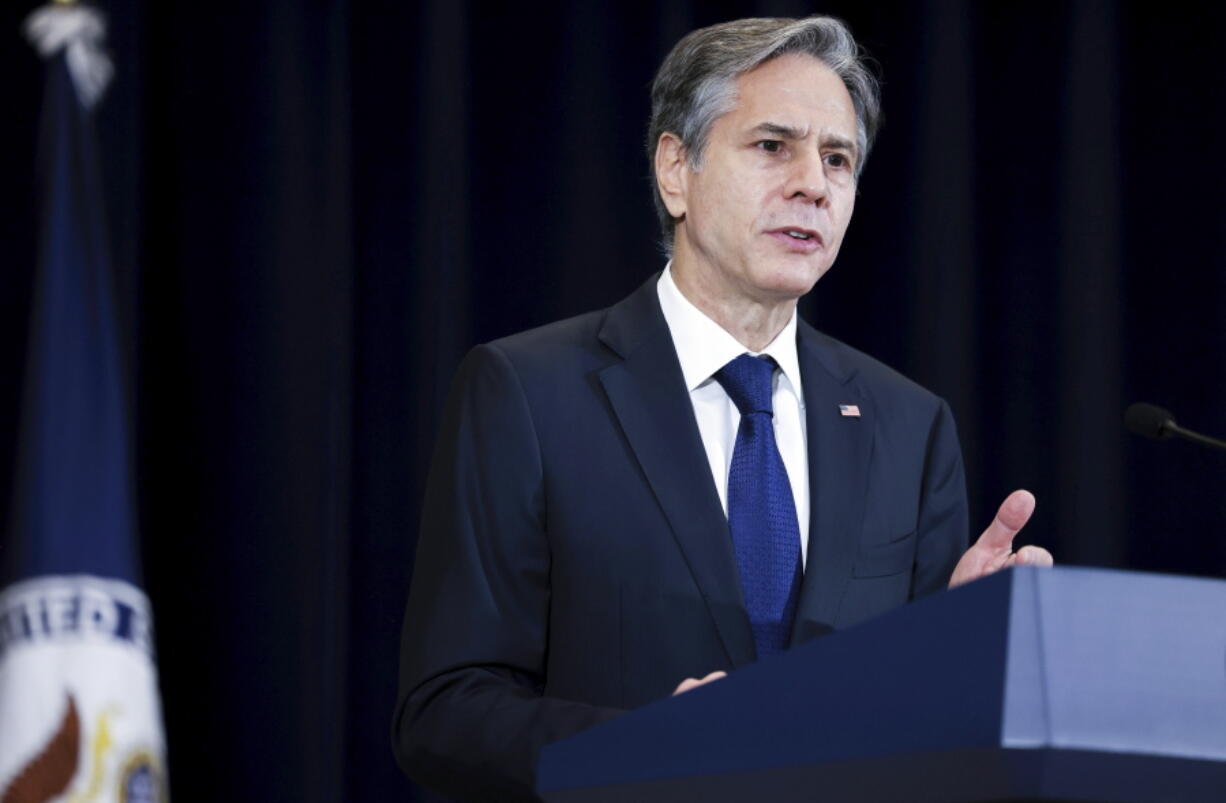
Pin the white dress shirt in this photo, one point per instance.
(703, 347)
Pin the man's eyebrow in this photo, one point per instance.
(792, 132)
(779, 130)
(839, 143)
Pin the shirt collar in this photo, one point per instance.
(703, 346)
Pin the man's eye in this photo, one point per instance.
(838, 161)
(771, 145)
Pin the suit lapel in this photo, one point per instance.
(647, 393)
(839, 451)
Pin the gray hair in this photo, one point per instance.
(695, 85)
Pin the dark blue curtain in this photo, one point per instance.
(317, 207)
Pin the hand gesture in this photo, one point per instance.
(994, 549)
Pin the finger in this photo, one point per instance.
(1034, 556)
(1012, 516)
(693, 683)
(998, 562)
(684, 686)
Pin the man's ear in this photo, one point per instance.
(672, 173)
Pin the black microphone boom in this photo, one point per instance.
(1153, 422)
(1148, 421)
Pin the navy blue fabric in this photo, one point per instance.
(574, 559)
(761, 510)
(73, 507)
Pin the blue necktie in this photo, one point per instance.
(761, 511)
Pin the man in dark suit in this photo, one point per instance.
(632, 502)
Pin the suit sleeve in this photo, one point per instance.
(942, 528)
(470, 716)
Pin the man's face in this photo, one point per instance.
(765, 213)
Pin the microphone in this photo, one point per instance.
(1150, 421)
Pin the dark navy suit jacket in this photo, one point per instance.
(574, 560)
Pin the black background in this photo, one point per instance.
(317, 207)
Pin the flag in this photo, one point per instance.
(80, 718)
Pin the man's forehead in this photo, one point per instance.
(795, 74)
(794, 90)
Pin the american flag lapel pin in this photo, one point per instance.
(849, 410)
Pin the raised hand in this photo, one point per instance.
(994, 549)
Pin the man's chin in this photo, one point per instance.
(792, 281)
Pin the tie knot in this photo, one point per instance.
(747, 381)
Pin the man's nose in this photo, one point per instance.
(807, 181)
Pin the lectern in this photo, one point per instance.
(1031, 684)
